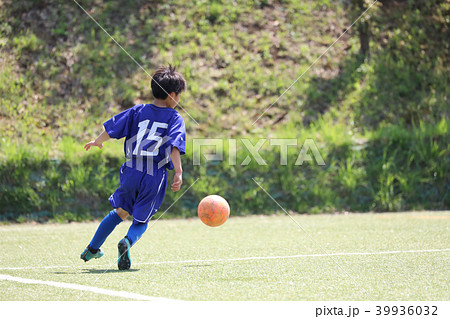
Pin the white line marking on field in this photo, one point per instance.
(253, 258)
(96, 290)
(295, 256)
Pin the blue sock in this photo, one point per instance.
(104, 229)
(135, 232)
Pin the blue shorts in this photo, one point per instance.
(140, 193)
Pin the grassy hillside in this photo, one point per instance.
(379, 122)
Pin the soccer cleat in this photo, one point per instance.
(124, 261)
(86, 255)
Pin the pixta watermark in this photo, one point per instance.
(149, 150)
(213, 149)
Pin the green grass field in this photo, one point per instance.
(395, 256)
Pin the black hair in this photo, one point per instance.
(167, 80)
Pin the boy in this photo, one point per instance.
(155, 137)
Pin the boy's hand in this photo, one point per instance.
(92, 143)
(177, 181)
(103, 137)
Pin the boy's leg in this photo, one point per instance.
(105, 228)
(152, 188)
(123, 214)
(134, 233)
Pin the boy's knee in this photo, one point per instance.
(123, 214)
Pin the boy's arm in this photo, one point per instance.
(103, 137)
(176, 161)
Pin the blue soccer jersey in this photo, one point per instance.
(150, 134)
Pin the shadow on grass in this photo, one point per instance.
(93, 271)
(202, 265)
(101, 271)
(65, 273)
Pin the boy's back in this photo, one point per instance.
(151, 132)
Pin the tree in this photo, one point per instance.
(359, 6)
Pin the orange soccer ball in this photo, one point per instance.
(213, 210)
